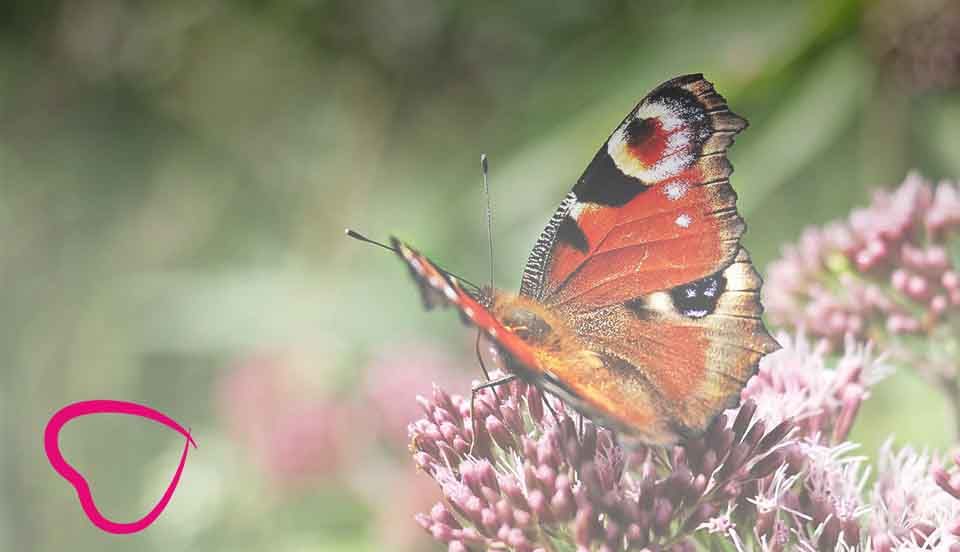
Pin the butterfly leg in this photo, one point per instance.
(556, 419)
(483, 367)
(473, 395)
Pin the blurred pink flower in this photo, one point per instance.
(395, 377)
(386, 398)
(400, 498)
(293, 436)
(307, 441)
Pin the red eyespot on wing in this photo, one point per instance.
(647, 140)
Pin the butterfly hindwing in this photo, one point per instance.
(686, 352)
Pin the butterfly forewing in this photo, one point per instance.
(654, 209)
(440, 289)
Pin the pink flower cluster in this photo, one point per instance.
(534, 480)
(796, 384)
(890, 269)
(775, 474)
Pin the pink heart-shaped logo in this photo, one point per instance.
(51, 445)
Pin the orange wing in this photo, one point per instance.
(672, 360)
(653, 210)
(655, 367)
(438, 288)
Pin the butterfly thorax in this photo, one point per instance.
(551, 340)
(527, 324)
(529, 320)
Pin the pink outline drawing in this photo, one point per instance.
(51, 445)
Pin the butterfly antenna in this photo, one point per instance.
(360, 237)
(486, 192)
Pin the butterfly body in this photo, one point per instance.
(638, 305)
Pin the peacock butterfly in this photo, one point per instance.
(638, 305)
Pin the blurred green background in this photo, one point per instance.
(176, 177)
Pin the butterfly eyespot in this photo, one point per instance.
(698, 299)
(661, 139)
(683, 221)
(645, 141)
